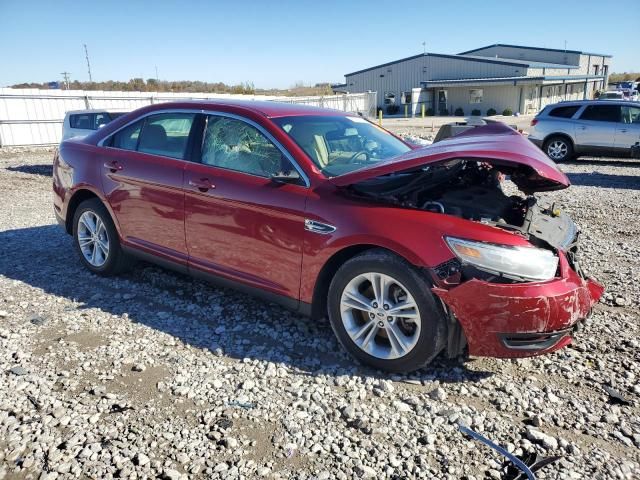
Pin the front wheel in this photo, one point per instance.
(558, 149)
(384, 314)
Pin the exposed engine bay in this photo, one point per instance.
(473, 190)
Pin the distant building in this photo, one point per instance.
(522, 79)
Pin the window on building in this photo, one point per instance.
(564, 112)
(406, 97)
(475, 95)
(235, 145)
(601, 113)
(389, 98)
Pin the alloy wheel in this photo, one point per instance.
(380, 315)
(557, 150)
(93, 239)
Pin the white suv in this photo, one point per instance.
(589, 127)
(80, 123)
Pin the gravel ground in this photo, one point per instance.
(154, 374)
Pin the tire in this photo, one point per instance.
(559, 149)
(112, 262)
(366, 333)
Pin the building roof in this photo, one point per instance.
(535, 48)
(509, 62)
(472, 58)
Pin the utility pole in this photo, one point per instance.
(424, 47)
(86, 54)
(565, 45)
(157, 79)
(66, 76)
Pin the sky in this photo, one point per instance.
(278, 43)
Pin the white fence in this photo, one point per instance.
(34, 117)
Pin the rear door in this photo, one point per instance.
(628, 132)
(596, 127)
(240, 224)
(143, 169)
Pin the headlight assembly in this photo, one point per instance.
(527, 263)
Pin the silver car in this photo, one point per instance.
(567, 130)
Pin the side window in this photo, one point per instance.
(127, 138)
(100, 120)
(564, 112)
(601, 113)
(166, 134)
(236, 145)
(82, 120)
(631, 115)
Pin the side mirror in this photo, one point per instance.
(291, 176)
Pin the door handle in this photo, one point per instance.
(203, 184)
(113, 166)
(583, 127)
(623, 130)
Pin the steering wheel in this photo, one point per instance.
(357, 154)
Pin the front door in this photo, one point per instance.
(442, 102)
(143, 168)
(628, 132)
(239, 223)
(596, 127)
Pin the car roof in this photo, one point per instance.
(98, 110)
(270, 109)
(592, 102)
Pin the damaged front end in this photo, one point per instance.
(501, 300)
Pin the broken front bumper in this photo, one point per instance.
(521, 319)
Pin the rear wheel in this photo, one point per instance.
(558, 149)
(96, 239)
(384, 314)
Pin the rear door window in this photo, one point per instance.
(631, 115)
(601, 113)
(166, 134)
(127, 138)
(564, 112)
(101, 119)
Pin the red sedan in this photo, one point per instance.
(409, 251)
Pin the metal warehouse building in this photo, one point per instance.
(522, 79)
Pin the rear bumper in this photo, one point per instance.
(521, 320)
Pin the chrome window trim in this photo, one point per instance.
(257, 126)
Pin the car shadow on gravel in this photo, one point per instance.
(197, 313)
(45, 170)
(605, 180)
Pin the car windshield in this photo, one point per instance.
(341, 144)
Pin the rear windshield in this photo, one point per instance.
(341, 144)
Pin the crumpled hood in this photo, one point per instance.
(530, 169)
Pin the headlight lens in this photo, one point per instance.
(528, 263)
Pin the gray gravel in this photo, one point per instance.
(155, 374)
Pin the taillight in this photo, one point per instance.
(534, 122)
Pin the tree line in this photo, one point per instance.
(186, 86)
(150, 85)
